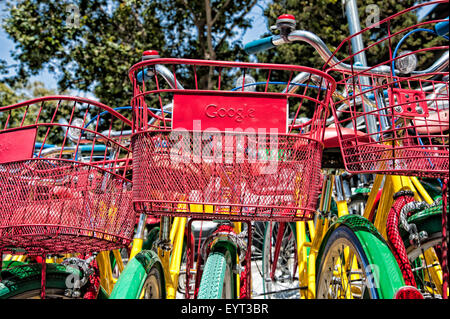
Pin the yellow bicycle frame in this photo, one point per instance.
(392, 185)
(307, 260)
(307, 250)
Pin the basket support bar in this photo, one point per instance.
(351, 10)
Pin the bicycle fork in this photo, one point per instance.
(169, 247)
(170, 251)
(242, 269)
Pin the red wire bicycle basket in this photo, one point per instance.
(226, 140)
(400, 116)
(65, 177)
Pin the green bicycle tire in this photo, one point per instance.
(24, 281)
(145, 268)
(428, 221)
(218, 280)
(373, 251)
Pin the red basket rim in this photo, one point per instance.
(92, 164)
(377, 24)
(69, 98)
(217, 63)
(303, 136)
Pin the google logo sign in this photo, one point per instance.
(238, 114)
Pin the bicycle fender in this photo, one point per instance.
(376, 249)
(132, 279)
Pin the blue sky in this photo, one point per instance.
(7, 45)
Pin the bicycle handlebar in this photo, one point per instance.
(321, 48)
(317, 43)
(441, 28)
(164, 72)
(259, 45)
(48, 151)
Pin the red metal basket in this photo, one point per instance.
(400, 116)
(226, 148)
(65, 177)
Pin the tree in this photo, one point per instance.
(206, 29)
(89, 44)
(22, 92)
(327, 19)
(7, 95)
(92, 44)
(203, 28)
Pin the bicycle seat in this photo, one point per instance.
(436, 122)
(331, 138)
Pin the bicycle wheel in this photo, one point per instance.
(354, 262)
(279, 266)
(428, 221)
(259, 231)
(426, 258)
(142, 278)
(218, 280)
(24, 281)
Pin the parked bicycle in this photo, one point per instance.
(204, 159)
(65, 180)
(370, 109)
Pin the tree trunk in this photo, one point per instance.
(210, 53)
